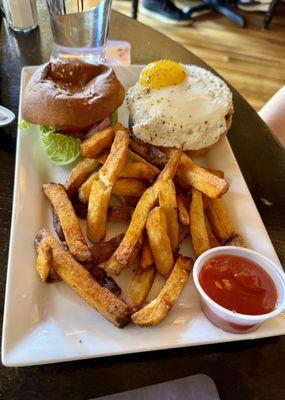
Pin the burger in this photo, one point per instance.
(71, 97)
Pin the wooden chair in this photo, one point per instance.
(270, 12)
(135, 8)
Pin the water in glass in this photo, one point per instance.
(80, 27)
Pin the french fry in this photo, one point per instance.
(140, 287)
(101, 276)
(81, 281)
(79, 174)
(97, 143)
(57, 226)
(158, 309)
(156, 227)
(116, 160)
(149, 152)
(123, 187)
(130, 246)
(119, 127)
(236, 240)
(212, 238)
(197, 224)
(132, 158)
(102, 188)
(101, 252)
(120, 214)
(85, 188)
(97, 211)
(68, 220)
(146, 259)
(183, 232)
(113, 266)
(138, 170)
(219, 220)
(168, 202)
(129, 187)
(44, 261)
(206, 201)
(190, 175)
(183, 213)
(135, 158)
(216, 172)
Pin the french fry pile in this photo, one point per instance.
(163, 196)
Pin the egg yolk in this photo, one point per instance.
(162, 73)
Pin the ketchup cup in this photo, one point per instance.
(226, 319)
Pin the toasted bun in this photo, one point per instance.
(71, 95)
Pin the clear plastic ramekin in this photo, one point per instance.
(226, 319)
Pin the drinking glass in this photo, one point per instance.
(80, 28)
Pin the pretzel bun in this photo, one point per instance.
(71, 95)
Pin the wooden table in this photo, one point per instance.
(246, 370)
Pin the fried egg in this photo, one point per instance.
(174, 103)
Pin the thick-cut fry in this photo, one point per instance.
(212, 238)
(140, 287)
(183, 214)
(57, 226)
(101, 276)
(146, 259)
(216, 172)
(123, 187)
(206, 201)
(97, 211)
(132, 158)
(236, 240)
(128, 249)
(44, 261)
(158, 309)
(113, 266)
(81, 281)
(129, 187)
(85, 188)
(183, 232)
(97, 143)
(167, 200)
(101, 252)
(219, 220)
(135, 158)
(190, 175)
(116, 160)
(102, 188)
(120, 214)
(68, 220)
(159, 241)
(149, 152)
(197, 224)
(138, 171)
(79, 174)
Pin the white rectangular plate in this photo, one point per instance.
(49, 323)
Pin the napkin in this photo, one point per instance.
(190, 388)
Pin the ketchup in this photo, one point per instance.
(238, 284)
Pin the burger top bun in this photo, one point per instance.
(71, 95)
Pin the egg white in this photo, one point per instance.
(192, 112)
